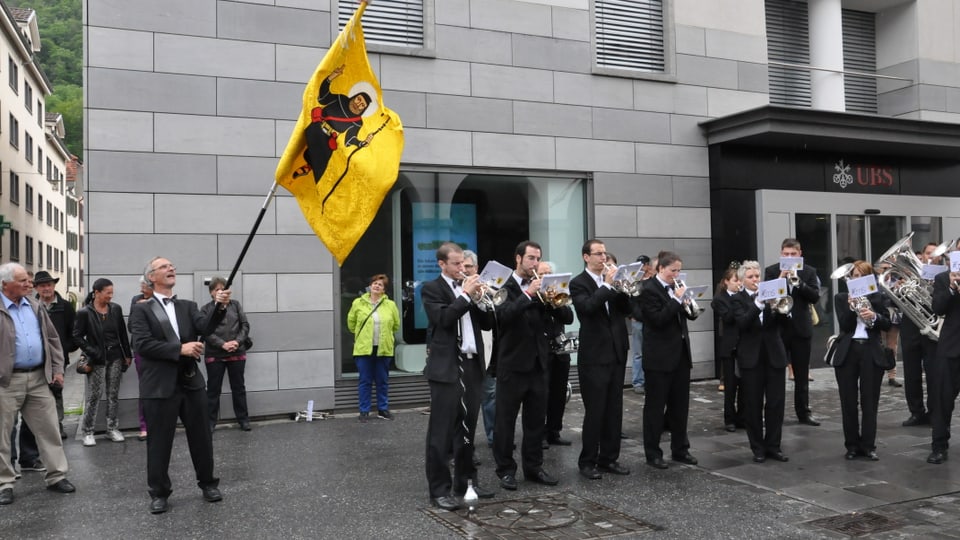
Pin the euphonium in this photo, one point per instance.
(689, 303)
(904, 284)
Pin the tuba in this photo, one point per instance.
(903, 283)
(689, 302)
(859, 303)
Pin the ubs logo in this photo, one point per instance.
(842, 175)
(868, 178)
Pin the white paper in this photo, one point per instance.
(930, 271)
(495, 274)
(791, 263)
(560, 281)
(862, 286)
(634, 270)
(955, 261)
(698, 292)
(774, 288)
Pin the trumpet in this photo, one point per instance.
(794, 278)
(858, 304)
(552, 297)
(689, 303)
(488, 295)
(782, 305)
(625, 286)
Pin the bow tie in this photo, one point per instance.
(671, 287)
(457, 283)
(524, 282)
(169, 300)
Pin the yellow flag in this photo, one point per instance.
(343, 156)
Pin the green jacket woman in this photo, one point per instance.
(374, 320)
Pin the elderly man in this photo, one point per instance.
(62, 314)
(31, 359)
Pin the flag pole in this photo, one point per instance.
(253, 232)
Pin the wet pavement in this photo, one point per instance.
(337, 478)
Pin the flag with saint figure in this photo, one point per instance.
(343, 156)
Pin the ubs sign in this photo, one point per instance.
(862, 178)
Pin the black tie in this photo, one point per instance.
(169, 300)
(524, 282)
(457, 283)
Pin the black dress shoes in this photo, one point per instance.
(937, 457)
(158, 505)
(916, 420)
(684, 458)
(614, 468)
(245, 426)
(508, 481)
(558, 441)
(851, 454)
(445, 503)
(63, 486)
(872, 455)
(757, 458)
(657, 463)
(483, 492)
(730, 427)
(541, 477)
(6, 496)
(779, 456)
(544, 444)
(590, 473)
(211, 494)
(809, 420)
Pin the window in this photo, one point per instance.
(39, 160)
(61, 261)
(13, 74)
(49, 257)
(28, 147)
(388, 22)
(629, 36)
(40, 115)
(14, 188)
(14, 245)
(49, 214)
(40, 255)
(14, 132)
(28, 192)
(49, 170)
(63, 222)
(860, 55)
(56, 259)
(40, 207)
(28, 253)
(56, 220)
(28, 97)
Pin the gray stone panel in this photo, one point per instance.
(166, 16)
(297, 64)
(469, 113)
(437, 147)
(290, 219)
(721, 102)
(306, 369)
(282, 253)
(621, 125)
(676, 222)
(628, 249)
(316, 5)
(689, 191)
(690, 100)
(685, 130)
(753, 77)
(128, 253)
(129, 213)
(554, 120)
(552, 53)
(696, 252)
(260, 295)
(909, 70)
(236, 20)
(653, 96)
(410, 106)
(703, 71)
(571, 24)
(153, 172)
(452, 12)
(511, 16)
(285, 331)
(672, 160)
(511, 83)
(151, 92)
(637, 189)
(899, 102)
(469, 45)
(595, 155)
(581, 89)
(260, 374)
(691, 40)
(305, 292)
(417, 75)
(287, 401)
(953, 99)
(933, 98)
(615, 221)
(119, 49)
(939, 73)
(238, 175)
(736, 46)
(259, 99)
(520, 151)
(214, 135)
(214, 57)
(213, 214)
(119, 131)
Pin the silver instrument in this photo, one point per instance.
(794, 278)
(488, 295)
(626, 286)
(551, 297)
(782, 305)
(689, 302)
(565, 343)
(904, 284)
(858, 304)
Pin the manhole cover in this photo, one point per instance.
(542, 516)
(857, 524)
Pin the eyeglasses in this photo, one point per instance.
(167, 266)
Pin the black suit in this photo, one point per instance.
(943, 379)
(666, 369)
(170, 386)
(445, 311)
(522, 359)
(919, 353)
(762, 361)
(859, 365)
(797, 333)
(600, 367)
(729, 336)
(554, 320)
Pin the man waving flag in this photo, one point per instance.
(344, 153)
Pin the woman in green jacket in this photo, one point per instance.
(374, 319)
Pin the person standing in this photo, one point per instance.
(729, 337)
(559, 366)
(102, 335)
(454, 372)
(944, 381)
(666, 349)
(168, 333)
(522, 356)
(488, 393)
(31, 359)
(62, 315)
(919, 355)
(603, 348)
(636, 329)
(798, 334)
(226, 350)
(374, 320)
(146, 294)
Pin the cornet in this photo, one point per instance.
(859, 303)
(689, 302)
(625, 286)
(488, 294)
(782, 305)
(793, 278)
(552, 297)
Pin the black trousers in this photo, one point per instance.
(238, 390)
(732, 393)
(161, 415)
(667, 400)
(445, 429)
(943, 384)
(601, 388)
(557, 393)
(859, 377)
(515, 390)
(918, 353)
(798, 354)
(764, 400)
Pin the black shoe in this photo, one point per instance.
(384, 414)
(730, 427)
(445, 503)
(63, 486)
(851, 454)
(759, 458)
(558, 441)
(245, 426)
(36, 466)
(211, 494)
(6, 496)
(779, 456)
(872, 455)
(544, 445)
(657, 463)
(590, 473)
(916, 420)
(809, 420)
(937, 457)
(483, 492)
(364, 417)
(614, 468)
(476, 461)
(894, 383)
(158, 505)
(541, 477)
(685, 457)
(623, 435)
(63, 434)
(508, 481)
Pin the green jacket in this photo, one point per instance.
(362, 326)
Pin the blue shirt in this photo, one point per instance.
(29, 338)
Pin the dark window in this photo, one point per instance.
(49, 257)
(629, 35)
(28, 97)
(49, 214)
(39, 207)
(14, 245)
(28, 251)
(13, 74)
(40, 255)
(14, 132)
(28, 148)
(391, 22)
(14, 188)
(28, 192)
(39, 160)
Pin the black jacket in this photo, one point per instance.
(757, 336)
(847, 321)
(88, 333)
(63, 316)
(666, 341)
(722, 305)
(806, 293)
(603, 335)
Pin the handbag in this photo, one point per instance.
(83, 365)
(814, 316)
(831, 350)
(247, 344)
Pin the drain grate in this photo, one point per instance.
(559, 515)
(857, 524)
